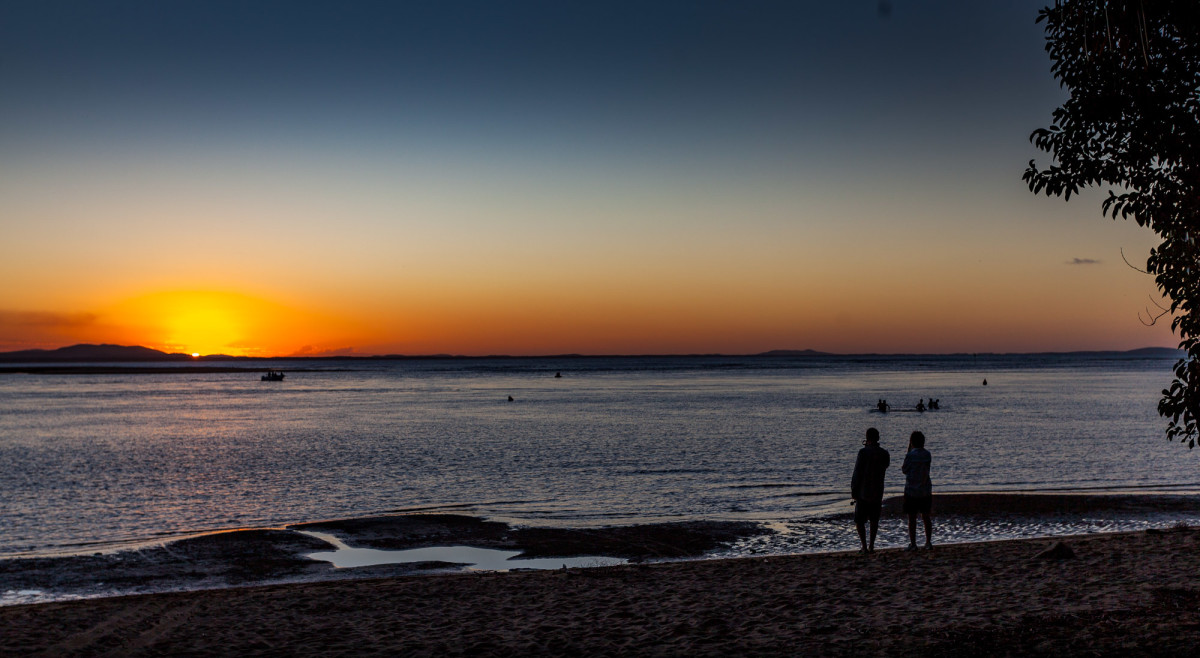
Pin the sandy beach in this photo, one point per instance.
(1120, 594)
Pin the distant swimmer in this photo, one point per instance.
(985, 382)
(510, 398)
(920, 405)
(558, 374)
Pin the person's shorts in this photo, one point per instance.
(917, 504)
(867, 511)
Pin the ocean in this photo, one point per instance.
(90, 462)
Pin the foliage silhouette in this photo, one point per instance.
(1133, 122)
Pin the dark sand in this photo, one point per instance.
(635, 542)
(1119, 595)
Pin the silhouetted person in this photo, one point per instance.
(936, 404)
(558, 374)
(985, 382)
(510, 398)
(866, 487)
(920, 405)
(918, 489)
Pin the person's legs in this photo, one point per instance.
(912, 530)
(928, 529)
(874, 531)
(862, 533)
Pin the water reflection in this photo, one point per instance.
(477, 559)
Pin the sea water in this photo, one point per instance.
(94, 461)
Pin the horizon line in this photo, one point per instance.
(782, 353)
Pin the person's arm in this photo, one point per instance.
(856, 479)
(905, 466)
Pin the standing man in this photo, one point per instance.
(866, 487)
(918, 489)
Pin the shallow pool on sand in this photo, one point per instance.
(479, 559)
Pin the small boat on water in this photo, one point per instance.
(273, 376)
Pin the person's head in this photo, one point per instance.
(917, 440)
(872, 436)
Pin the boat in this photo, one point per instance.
(273, 376)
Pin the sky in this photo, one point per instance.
(284, 178)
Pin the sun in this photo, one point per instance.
(204, 324)
(197, 322)
(207, 322)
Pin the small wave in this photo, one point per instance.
(447, 506)
(669, 471)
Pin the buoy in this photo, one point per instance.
(510, 398)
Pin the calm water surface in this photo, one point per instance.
(91, 460)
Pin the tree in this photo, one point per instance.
(1132, 122)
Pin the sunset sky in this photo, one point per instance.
(276, 178)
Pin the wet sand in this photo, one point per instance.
(273, 555)
(1121, 594)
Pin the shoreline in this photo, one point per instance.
(1118, 594)
(254, 556)
(1035, 503)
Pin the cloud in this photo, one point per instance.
(46, 319)
(21, 330)
(309, 350)
(1083, 261)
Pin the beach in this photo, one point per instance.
(1113, 594)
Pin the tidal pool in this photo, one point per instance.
(479, 559)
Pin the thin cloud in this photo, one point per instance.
(309, 350)
(1083, 261)
(46, 320)
(22, 330)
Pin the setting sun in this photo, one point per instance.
(207, 322)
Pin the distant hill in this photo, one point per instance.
(1156, 352)
(1141, 353)
(89, 353)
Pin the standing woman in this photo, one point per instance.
(918, 489)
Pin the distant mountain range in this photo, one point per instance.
(90, 353)
(133, 353)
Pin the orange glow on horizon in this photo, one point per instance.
(201, 322)
(589, 318)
